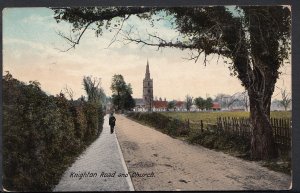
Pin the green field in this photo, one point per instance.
(211, 117)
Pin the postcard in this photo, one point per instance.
(145, 98)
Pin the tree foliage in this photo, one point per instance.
(188, 102)
(200, 102)
(95, 105)
(255, 40)
(42, 135)
(208, 103)
(203, 103)
(94, 91)
(171, 105)
(121, 97)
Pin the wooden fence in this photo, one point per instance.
(242, 127)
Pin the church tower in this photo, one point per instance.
(148, 89)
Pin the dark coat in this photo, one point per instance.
(112, 121)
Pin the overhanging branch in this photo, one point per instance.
(156, 41)
(70, 40)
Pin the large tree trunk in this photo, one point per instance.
(262, 140)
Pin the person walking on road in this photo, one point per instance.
(112, 122)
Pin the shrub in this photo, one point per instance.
(42, 135)
(221, 141)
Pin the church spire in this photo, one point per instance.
(147, 75)
(148, 89)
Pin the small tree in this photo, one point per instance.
(121, 97)
(95, 104)
(92, 87)
(286, 99)
(171, 105)
(69, 91)
(118, 87)
(208, 103)
(127, 100)
(200, 103)
(189, 102)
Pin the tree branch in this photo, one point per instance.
(156, 41)
(117, 33)
(72, 42)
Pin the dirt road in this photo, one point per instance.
(171, 164)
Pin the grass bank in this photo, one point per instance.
(167, 125)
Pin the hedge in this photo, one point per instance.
(167, 125)
(42, 134)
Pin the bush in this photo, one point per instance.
(221, 141)
(42, 135)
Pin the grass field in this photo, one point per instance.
(211, 117)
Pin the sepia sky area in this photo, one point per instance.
(32, 51)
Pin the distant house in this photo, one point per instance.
(194, 108)
(160, 105)
(180, 106)
(216, 106)
(139, 105)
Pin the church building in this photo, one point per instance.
(147, 103)
(148, 89)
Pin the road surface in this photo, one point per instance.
(177, 165)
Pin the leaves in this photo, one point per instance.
(42, 134)
(188, 101)
(200, 102)
(93, 89)
(121, 97)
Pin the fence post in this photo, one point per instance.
(201, 125)
(225, 124)
(286, 128)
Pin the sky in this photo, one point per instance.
(32, 50)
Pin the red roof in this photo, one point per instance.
(160, 104)
(216, 106)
